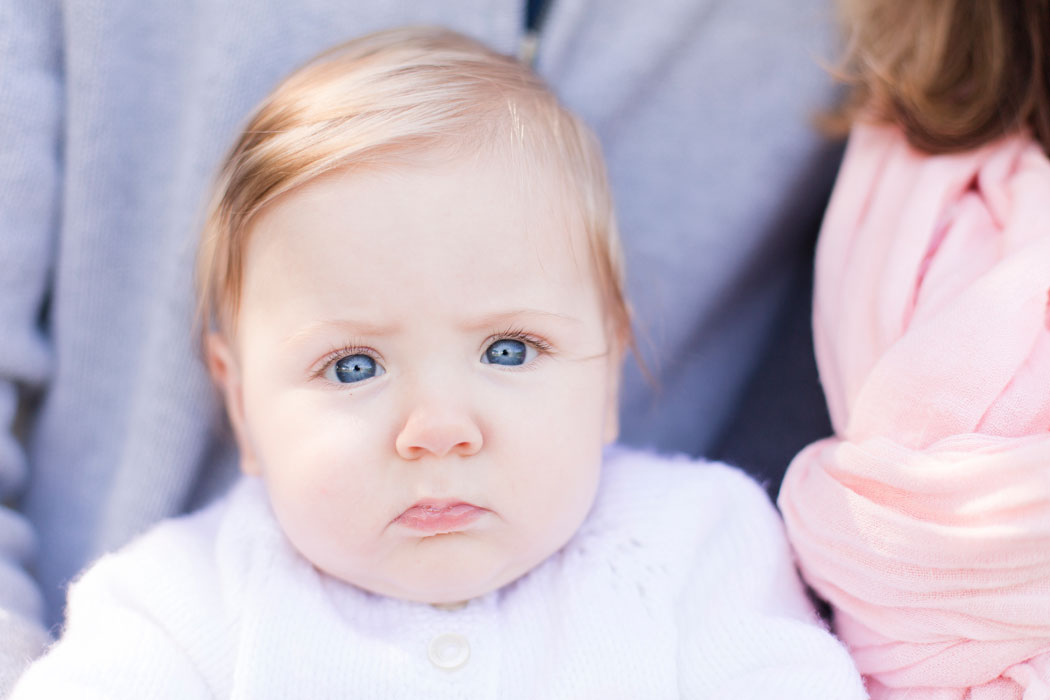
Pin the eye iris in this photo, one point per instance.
(355, 368)
(506, 352)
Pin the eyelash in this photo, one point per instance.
(338, 353)
(524, 336)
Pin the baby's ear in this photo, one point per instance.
(225, 372)
(612, 422)
(612, 399)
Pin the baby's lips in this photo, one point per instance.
(435, 517)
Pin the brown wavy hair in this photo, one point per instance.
(953, 74)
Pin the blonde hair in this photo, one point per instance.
(953, 74)
(379, 100)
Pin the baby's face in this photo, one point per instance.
(422, 376)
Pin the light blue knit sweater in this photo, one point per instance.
(114, 114)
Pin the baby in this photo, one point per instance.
(413, 295)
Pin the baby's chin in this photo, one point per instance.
(444, 572)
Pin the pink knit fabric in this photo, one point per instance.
(925, 520)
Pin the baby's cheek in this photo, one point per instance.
(324, 522)
(555, 496)
(316, 489)
(329, 481)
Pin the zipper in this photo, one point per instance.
(536, 12)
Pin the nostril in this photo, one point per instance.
(465, 448)
(439, 433)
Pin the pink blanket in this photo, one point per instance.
(925, 520)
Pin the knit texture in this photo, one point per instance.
(678, 584)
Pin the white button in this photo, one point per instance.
(449, 651)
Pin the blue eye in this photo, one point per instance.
(508, 352)
(355, 368)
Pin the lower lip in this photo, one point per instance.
(440, 519)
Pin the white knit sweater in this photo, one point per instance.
(679, 584)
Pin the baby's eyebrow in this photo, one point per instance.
(516, 316)
(349, 327)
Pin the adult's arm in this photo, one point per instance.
(30, 177)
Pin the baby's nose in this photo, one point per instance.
(438, 430)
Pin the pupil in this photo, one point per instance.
(355, 368)
(506, 352)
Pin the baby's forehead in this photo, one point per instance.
(435, 245)
(422, 204)
(385, 102)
